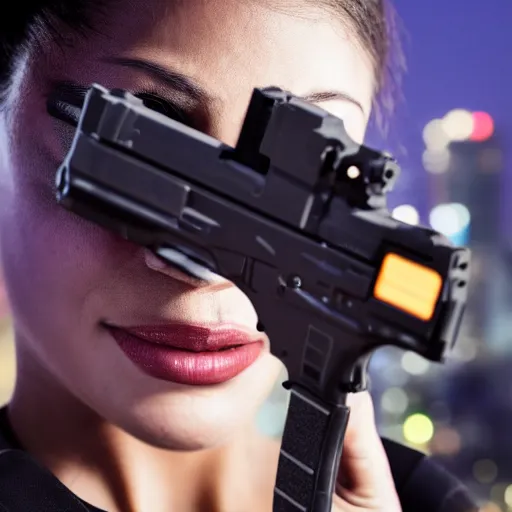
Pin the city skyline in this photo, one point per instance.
(456, 56)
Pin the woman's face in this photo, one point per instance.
(66, 277)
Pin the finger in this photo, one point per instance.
(158, 264)
(364, 470)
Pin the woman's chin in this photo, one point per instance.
(186, 430)
(177, 417)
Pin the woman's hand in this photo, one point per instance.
(364, 483)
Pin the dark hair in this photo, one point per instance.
(374, 22)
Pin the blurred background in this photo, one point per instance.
(453, 137)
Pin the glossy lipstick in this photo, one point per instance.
(189, 354)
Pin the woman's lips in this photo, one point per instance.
(189, 354)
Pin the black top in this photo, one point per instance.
(422, 485)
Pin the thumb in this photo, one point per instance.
(364, 478)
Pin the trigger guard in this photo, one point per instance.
(360, 380)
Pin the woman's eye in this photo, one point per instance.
(66, 103)
(163, 107)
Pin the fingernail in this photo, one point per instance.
(153, 261)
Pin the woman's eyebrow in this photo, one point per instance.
(319, 97)
(171, 78)
(186, 85)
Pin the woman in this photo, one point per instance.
(120, 432)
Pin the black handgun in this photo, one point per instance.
(295, 215)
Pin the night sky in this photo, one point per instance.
(459, 55)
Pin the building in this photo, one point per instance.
(474, 179)
(464, 156)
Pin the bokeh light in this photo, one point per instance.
(507, 498)
(458, 125)
(418, 429)
(407, 214)
(414, 364)
(467, 349)
(452, 220)
(483, 127)
(394, 401)
(490, 507)
(436, 161)
(485, 471)
(446, 441)
(449, 219)
(434, 135)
